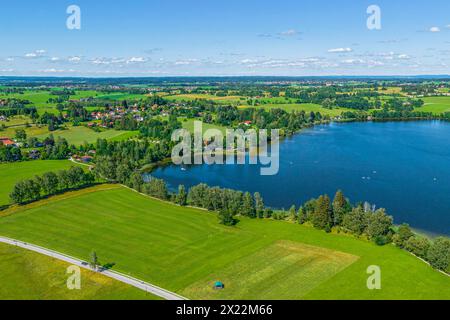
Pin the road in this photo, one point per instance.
(157, 291)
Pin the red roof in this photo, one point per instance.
(7, 141)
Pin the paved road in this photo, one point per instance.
(157, 291)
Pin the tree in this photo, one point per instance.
(21, 135)
(302, 215)
(157, 188)
(50, 183)
(248, 206)
(259, 205)
(439, 254)
(226, 218)
(182, 196)
(293, 213)
(418, 246)
(322, 216)
(93, 260)
(340, 207)
(136, 181)
(378, 224)
(402, 236)
(355, 221)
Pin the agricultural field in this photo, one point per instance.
(185, 250)
(307, 107)
(79, 135)
(190, 97)
(39, 98)
(188, 124)
(436, 105)
(10, 173)
(120, 96)
(26, 275)
(74, 135)
(16, 121)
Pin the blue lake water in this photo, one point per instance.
(401, 166)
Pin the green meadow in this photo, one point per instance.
(307, 107)
(26, 275)
(11, 173)
(185, 250)
(191, 97)
(436, 105)
(79, 135)
(76, 135)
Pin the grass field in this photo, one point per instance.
(436, 105)
(10, 173)
(190, 97)
(26, 275)
(185, 249)
(81, 134)
(189, 125)
(307, 107)
(74, 135)
(285, 270)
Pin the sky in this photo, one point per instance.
(224, 38)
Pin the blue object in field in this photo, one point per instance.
(219, 285)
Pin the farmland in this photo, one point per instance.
(436, 105)
(26, 275)
(307, 107)
(10, 173)
(185, 249)
(76, 135)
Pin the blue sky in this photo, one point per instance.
(224, 37)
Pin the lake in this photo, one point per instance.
(401, 166)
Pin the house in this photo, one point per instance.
(86, 159)
(7, 142)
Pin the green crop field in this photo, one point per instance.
(436, 105)
(81, 134)
(74, 135)
(190, 97)
(284, 270)
(26, 275)
(10, 173)
(307, 107)
(186, 249)
(189, 125)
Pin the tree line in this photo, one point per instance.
(49, 184)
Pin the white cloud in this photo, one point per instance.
(54, 59)
(289, 33)
(36, 53)
(185, 62)
(340, 50)
(435, 29)
(52, 70)
(75, 59)
(403, 56)
(136, 60)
